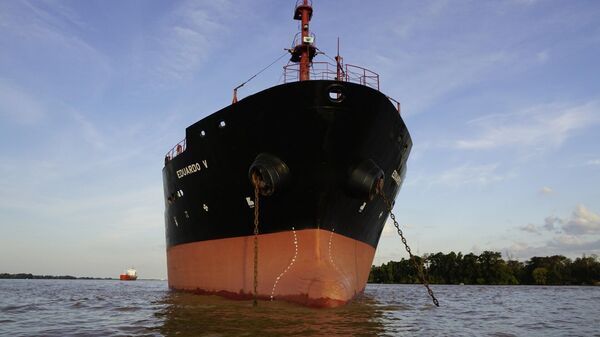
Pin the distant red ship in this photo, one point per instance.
(130, 275)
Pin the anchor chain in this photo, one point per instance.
(418, 266)
(257, 182)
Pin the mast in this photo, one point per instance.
(304, 51)
(338, 63)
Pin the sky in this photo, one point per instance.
(502, 99)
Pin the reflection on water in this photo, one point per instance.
(192, 315)
(394, 310)
(148, 308)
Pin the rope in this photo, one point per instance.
(263, 69)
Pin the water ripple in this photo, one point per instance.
(147, 308)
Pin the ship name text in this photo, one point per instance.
(193, 168)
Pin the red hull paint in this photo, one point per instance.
(312, 267)
(125, 277)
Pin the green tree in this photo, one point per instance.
(487, 268)
(586, 270)
(494, 269)
(558, 269)
(516, 270)
(444, 268)
(470, 269)
(540, 275)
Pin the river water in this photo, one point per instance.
(148, 308)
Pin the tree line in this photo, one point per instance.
(28, 276)
(490, 268)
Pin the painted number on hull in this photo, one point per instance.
(396, 177)
(193, 168)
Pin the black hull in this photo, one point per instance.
(320, 140)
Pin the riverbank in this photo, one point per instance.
(488, 268)
(28, 276)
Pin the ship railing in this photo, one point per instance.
(318, 71)
(328, 71)
(176, 150)
(362, 76)
(297, 41)
(301, 2)
(395, 102)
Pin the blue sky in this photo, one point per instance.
(502, 99)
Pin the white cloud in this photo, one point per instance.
(546, 190)
(45, 38)
(405, 27)
(459, 62)
(468, 174)
(575, 235)
(90, 132)
(593, 162)
(568, 240)
(458, 69)
(190, 36)
(388, 228)
(542, 56)
(570, 246)
(53, 24)
(531, 228)
(582, 221)
(18, 105)
(525, 2)
(540, 127)
(551, 222)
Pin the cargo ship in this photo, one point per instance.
(129, 275)
(279, 196)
